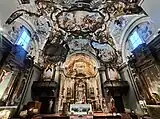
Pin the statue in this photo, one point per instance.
(3, 75)
(79, 67)
(104, 106)
(98, 103)
(69, 92)
(80, 93)
(113, 108)
(91, 91)
(62, 101)
(50, 109)
(4, 114)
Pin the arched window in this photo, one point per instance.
(140, 35)
(24, 38)
(135, 40)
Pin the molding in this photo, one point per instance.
(28, 24)
(131, 25)
(123, 66)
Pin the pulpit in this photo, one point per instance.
(119, 86)
(44, 88)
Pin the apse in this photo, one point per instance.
(81, 65)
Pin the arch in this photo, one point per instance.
(30, 26)
(32, 29)
(129, 28)
(112, 25)
(86, 53)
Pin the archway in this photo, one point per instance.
(80, 81)
(131, 34)
(127, 32)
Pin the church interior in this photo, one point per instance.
(78, 59)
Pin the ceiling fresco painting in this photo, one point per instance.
(56, 52)
(80, 45)
(105, 52)
(66, 26)
(78, 22)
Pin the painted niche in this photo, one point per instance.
(80, 65)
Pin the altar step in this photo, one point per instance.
(54, 116)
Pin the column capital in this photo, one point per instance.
(102, 68)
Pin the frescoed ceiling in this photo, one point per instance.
(80, 22)
(66, 26)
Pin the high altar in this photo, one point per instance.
(80, 82)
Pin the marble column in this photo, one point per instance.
(103, 76)
(57, 74)
(57, 79)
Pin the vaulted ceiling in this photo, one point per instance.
(62, 27)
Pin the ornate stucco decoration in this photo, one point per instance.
(118, 26)
(90, 20)
(58, 20)
(80, 65)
